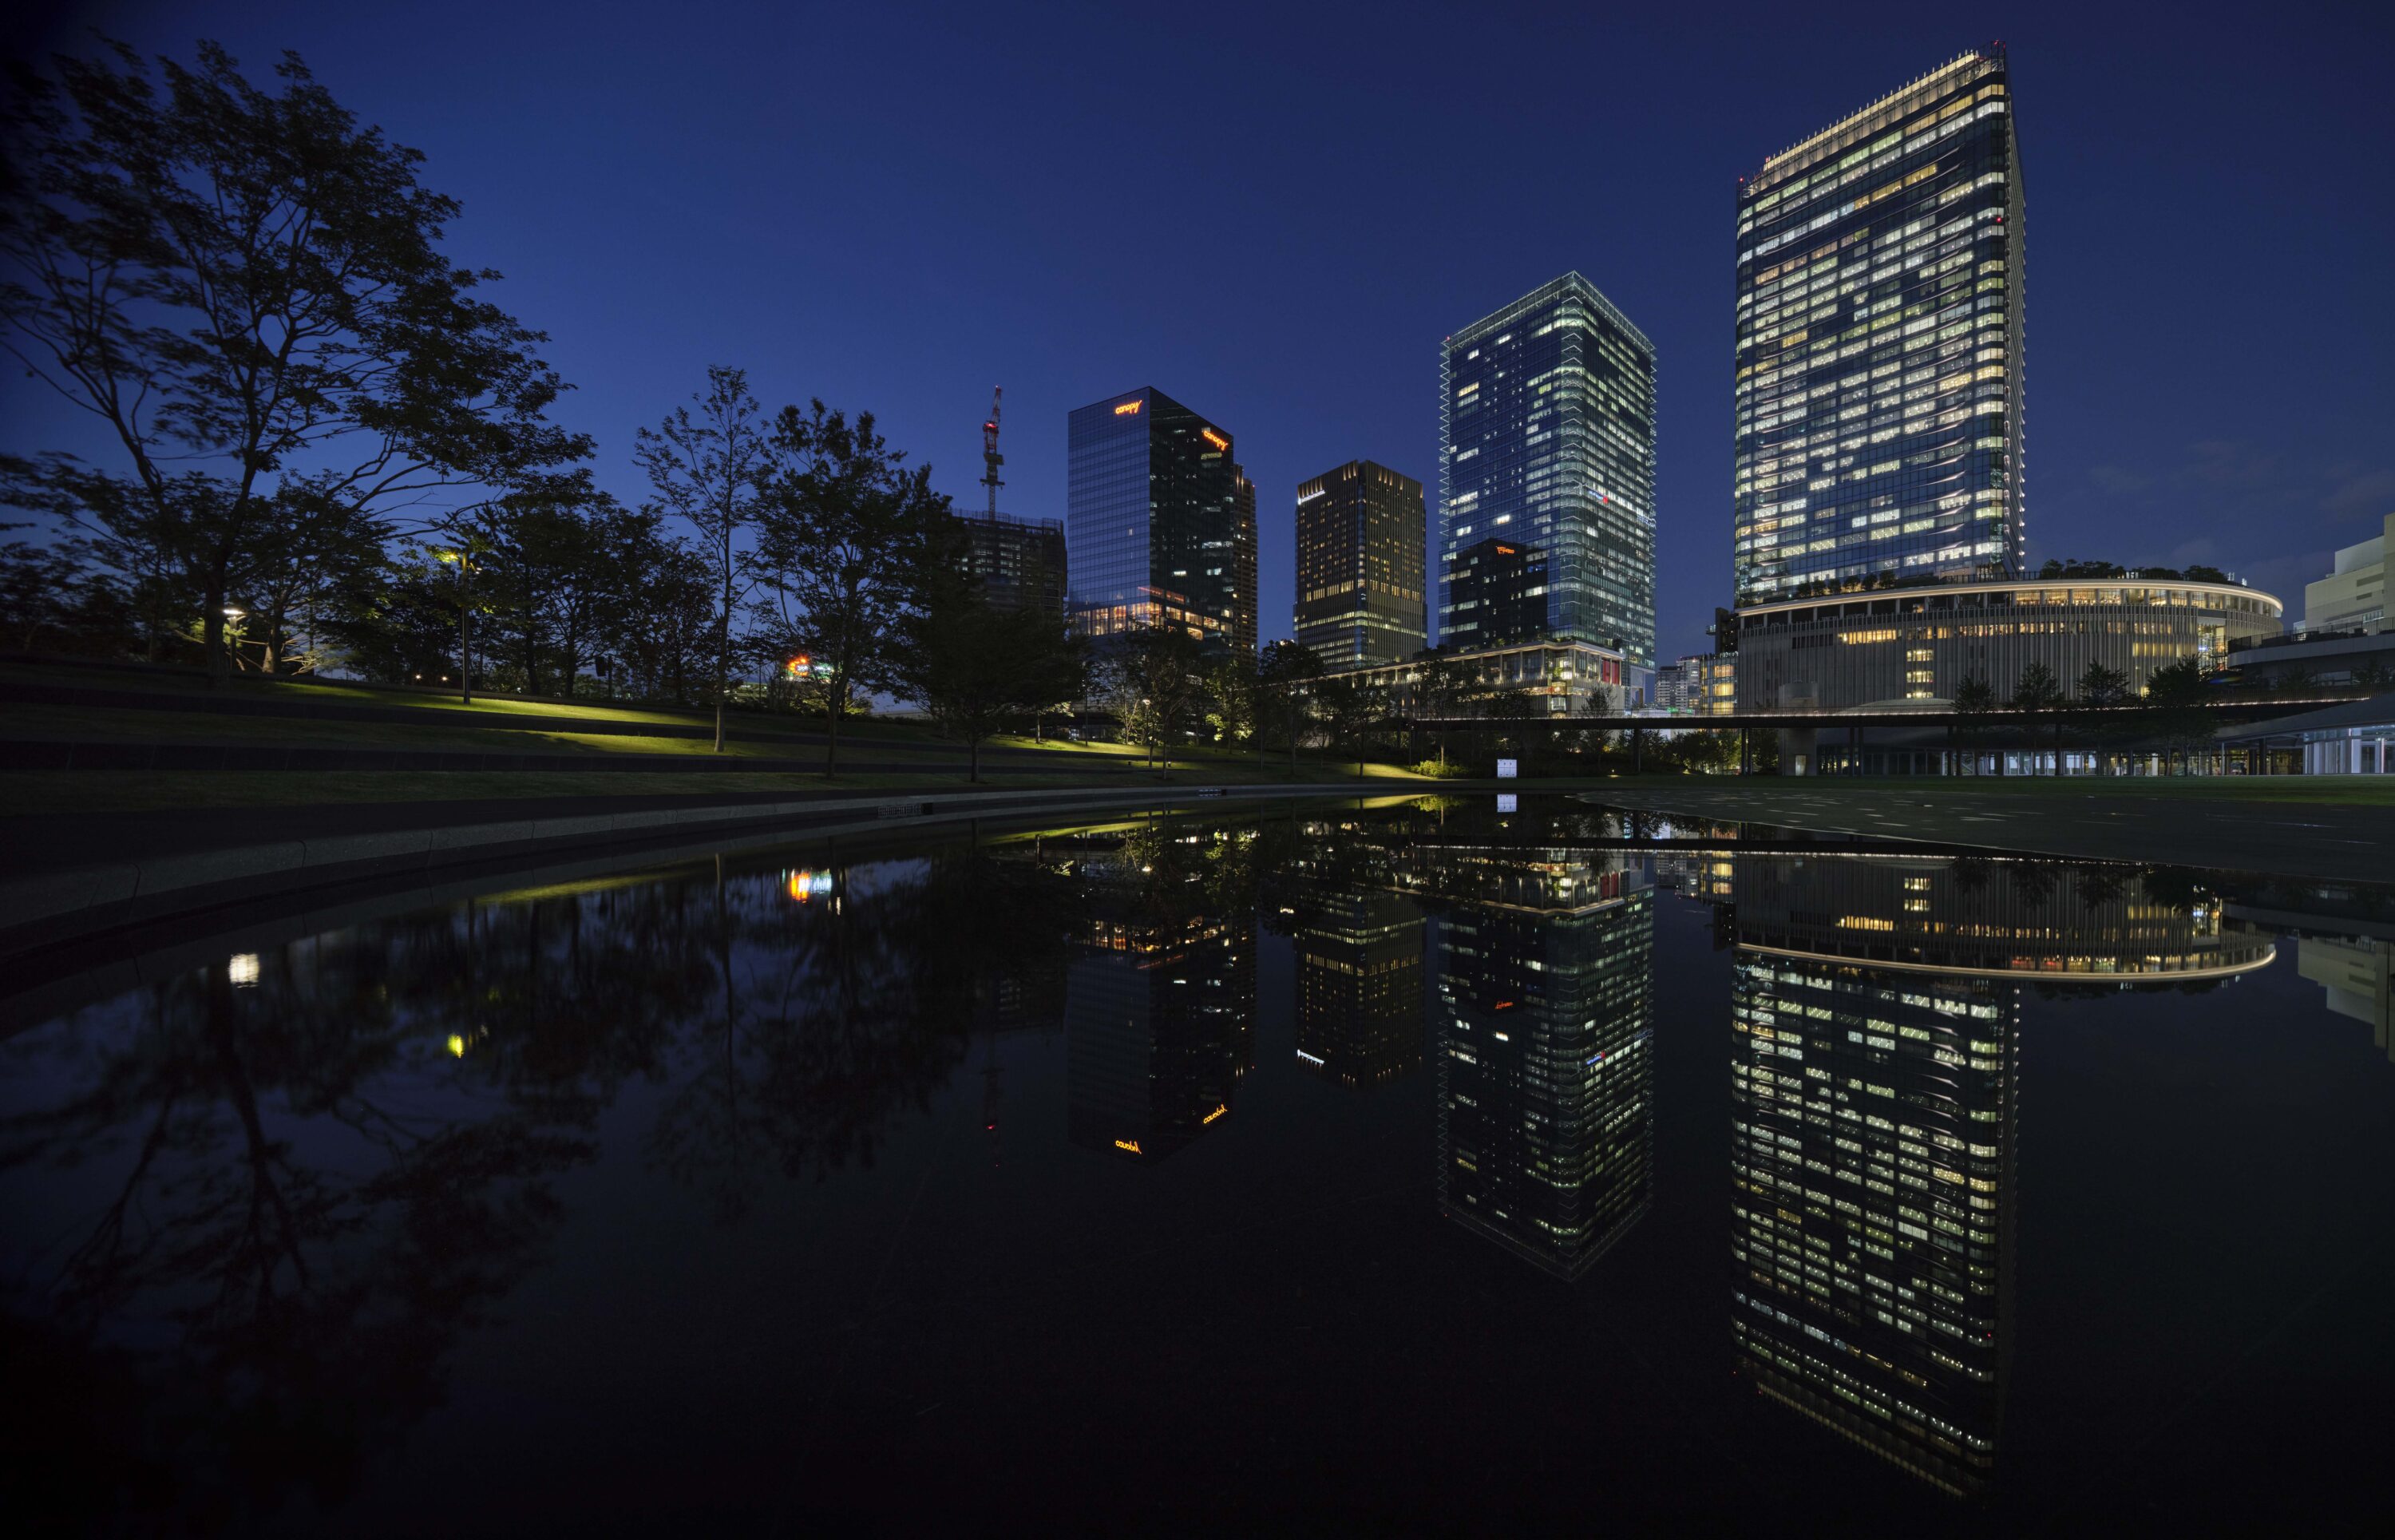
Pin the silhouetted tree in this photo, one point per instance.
(846, 535)
(246, 288)
(973, 665)
(710, 469)
(1973, 700)
(1282, 671)
(2038, 698)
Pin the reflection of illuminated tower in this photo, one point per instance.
(1360, 977)
(1544, 972)
(1158, 1019)
(1874, 1005)
(1871, 1125)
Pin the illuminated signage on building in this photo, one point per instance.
(1129, 409)
(1217, 440)
(1131, 1145)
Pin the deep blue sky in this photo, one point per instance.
(1274, 214)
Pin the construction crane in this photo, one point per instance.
(991, 458)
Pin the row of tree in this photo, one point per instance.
(318, 443)
(2176, 702)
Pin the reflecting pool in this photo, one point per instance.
(1406, 1160)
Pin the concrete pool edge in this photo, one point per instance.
(53, 908)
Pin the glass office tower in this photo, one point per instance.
(1547, 438)
(1360, 532)
(1151, 513)
(1878, 389)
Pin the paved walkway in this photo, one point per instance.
(63, 842)
(2287, 838)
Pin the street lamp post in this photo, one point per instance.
(465, 658)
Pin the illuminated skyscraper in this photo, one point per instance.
(1360, 533)
(1152, 517)
(1879, 357)
(1547, 440)
(1543, 1046)
(1243, 565)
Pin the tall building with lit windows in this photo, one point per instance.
(1879, 346)
(1360, 531)
(1151, 514)
(1547, 441)
(1243, 564)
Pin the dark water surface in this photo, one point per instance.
(1310, 1165)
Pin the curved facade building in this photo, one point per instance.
(1919, 644)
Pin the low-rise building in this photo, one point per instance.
(1561, 678)
(2353, 596)
(1918, 645)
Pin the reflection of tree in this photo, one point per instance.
(308, 1243)
(837, 1014)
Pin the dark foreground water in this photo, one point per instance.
(1316, 1165)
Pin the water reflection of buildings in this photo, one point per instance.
(1359, 988)
(2359, 974)
(1545, 1009)
(1873, 1081)
(1160, 1006)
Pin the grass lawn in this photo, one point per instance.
(335, 694)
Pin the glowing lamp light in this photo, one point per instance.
(242, 968)
(807, 886)
(456, 1046)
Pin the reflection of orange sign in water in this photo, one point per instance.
(1217, 440)
(806, 886)
(1131, 1145)
(1127, 409)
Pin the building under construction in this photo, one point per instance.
(1020, 563)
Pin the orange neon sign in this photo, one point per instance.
(1131, 1145)
(1214, 1114)
(1217, 440)
(1128, 408)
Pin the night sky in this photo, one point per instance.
(1274, 215)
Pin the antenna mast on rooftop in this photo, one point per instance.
(991, 458)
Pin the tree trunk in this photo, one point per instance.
(832, 701)
(212, 620)
(465, 652)
(973, 750)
